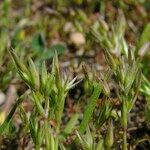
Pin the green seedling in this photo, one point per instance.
(88, 141)
(48, 93)
(114, 39)
(97, 115)
(126, 70)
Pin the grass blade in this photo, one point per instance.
(9, 117)
(90, 108)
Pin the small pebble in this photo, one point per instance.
(77, 38)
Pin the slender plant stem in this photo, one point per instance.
(59, 112)
(124, 124)
(47, 140)
(109, 135)
(37, 147)
(124, 138)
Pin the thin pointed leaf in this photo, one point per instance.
(90, 107)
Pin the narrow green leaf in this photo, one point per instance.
(19, 64)
(38, 104)
(23, 116)
(34, 75)
(72, 122)
(32, 127)
(145, 37)
(90, 108)
(9, 117)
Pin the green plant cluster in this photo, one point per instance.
(103, 120)
(48, 92)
